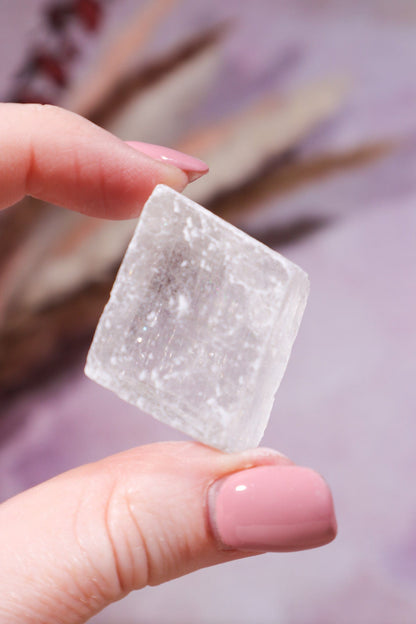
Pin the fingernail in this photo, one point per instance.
(272, 508)
(193, 167)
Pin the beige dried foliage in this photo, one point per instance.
(158, 114)
(84, 252)
(22, 244)
(290, 176)
(240, 146)
(118, 58)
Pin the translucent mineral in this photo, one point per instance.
(200, 324)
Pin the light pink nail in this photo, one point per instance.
(272, 508)
(193, 167)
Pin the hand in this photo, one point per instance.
(86, 538)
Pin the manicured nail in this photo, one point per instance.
(272, 508)
(193, 167)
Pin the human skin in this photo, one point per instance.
(84, 539)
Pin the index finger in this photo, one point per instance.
(60, 157)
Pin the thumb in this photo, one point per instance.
(88, 537)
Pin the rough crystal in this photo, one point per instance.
(200, 324)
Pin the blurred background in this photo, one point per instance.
(305, 112)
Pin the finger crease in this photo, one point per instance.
(97, 580)
(107, 522)
(143, 542)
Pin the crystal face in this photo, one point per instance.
(200, 324)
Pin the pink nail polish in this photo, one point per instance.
(193, 167)
(272, 508)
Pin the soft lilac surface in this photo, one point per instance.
(346, 406)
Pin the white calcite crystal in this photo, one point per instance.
(200, 324)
